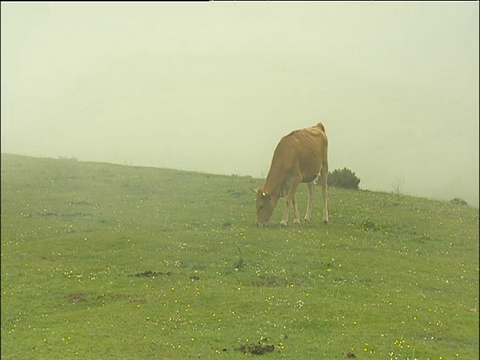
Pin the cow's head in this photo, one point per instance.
(265, 206)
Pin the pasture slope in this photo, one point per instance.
(102, 261)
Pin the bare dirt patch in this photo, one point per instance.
(75, 298)
(256, 349)
(53, 214)
(150, 273)
(80, 203)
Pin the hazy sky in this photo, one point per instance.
(213, 86)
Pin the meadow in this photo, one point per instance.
(102, 261)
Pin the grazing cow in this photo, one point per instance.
(298, 158)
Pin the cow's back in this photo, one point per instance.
(310, 148)
(302, 151)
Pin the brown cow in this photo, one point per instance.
(298, 158)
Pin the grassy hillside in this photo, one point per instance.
(103, 261)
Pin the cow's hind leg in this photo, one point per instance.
(311, 198)
(325, 192)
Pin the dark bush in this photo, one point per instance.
(344, 178)
(458, 201)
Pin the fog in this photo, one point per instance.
(212, 87)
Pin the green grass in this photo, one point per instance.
(391, 277)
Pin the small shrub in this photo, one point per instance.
(458, 201)
(67, 158)
(240, 264)
(369, 225)
(344, 178)
(398, 185)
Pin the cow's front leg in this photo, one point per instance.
(284, 221)
(295, 207)
(289, 199)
